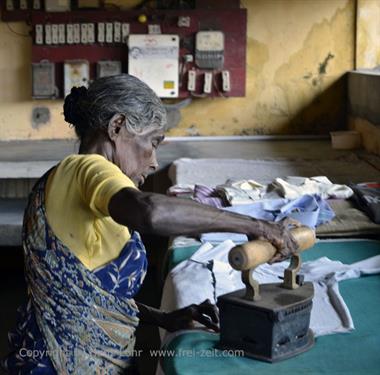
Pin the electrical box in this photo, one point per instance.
(154, 59)
(57, 5)
(43, 80)
(9, 5)
(190, 52)
(36, 4)
(108, 68)
(209, 49)
(76, 73)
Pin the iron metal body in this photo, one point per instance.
(272, 329)
(269, 322)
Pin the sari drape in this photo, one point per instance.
(76, 321)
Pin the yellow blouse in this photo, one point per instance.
(77, 195)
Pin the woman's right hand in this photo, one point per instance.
(279, 235)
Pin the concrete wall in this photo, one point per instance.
(364, 107)
(298, 52)
(364, 84)
(368, 34)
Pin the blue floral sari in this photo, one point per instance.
(76, 321)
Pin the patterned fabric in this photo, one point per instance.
(76, 321)
(204, 194)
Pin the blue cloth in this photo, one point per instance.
(309, 210)
(76, 320)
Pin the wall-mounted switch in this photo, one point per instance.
(83, 33)
(154, 29)
(191, 78)
(39, 34)
(109, 32)
(226, 82)
(207, 83)
(76, 28)
(48, 34)
(36, 4)
(70, 33)
(183, 21)
(9, 5)
(23, 4)
(61, 34)
(54, 34)
(101, 32)
(124, 33)
(90, 33)
(117, 32)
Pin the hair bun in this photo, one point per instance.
(73, 108)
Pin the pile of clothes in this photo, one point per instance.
(300, 198)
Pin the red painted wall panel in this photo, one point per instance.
(233, 22)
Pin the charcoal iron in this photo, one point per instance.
(269, 322)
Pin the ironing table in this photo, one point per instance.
(353, 353)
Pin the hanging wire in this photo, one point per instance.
(15, 32)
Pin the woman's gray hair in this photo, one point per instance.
(90, 110)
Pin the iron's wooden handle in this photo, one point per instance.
(253, 253)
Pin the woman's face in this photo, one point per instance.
(135, 154)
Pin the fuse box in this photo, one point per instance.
(207, 58)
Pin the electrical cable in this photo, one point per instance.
(15, 32)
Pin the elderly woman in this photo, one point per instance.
(84, 259)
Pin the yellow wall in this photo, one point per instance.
(288, 88)
(368, 34)
(298, 51)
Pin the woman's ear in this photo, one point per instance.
(115, 124)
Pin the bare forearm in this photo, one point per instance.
(168, 216)
(173, 216)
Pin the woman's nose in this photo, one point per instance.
(154, 162)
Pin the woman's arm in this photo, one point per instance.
(169, 216)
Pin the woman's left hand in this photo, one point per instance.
(205, 313)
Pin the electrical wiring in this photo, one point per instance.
(17, 33)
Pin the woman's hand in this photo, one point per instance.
(279, 235)
(205, 313)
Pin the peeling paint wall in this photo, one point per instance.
(16, 107)
(297, 54)
(364, 93)
(368, 34)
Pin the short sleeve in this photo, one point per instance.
(98, 180)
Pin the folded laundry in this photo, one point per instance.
(367, 196)
(248, 191)
(241, 192)
(309, 210)
(193, 281)
(294, 187)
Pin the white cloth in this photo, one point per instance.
(192, 282)
(242, 192)
(294, 187)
